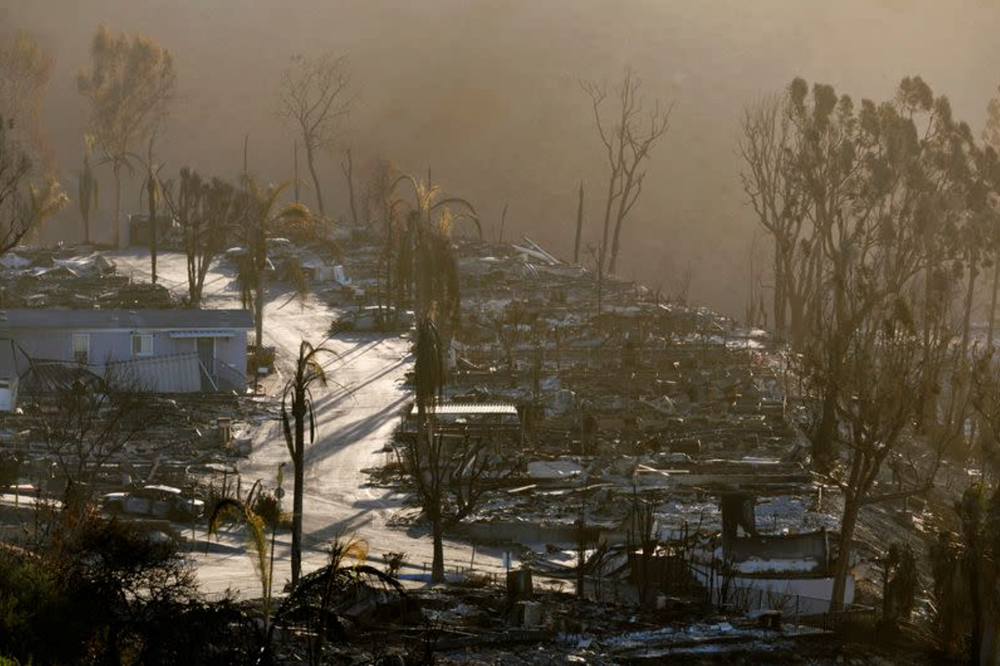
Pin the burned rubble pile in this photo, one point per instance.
(186, 442)
(657, 466)
(74, 278)
(183, 443)
(640, 419)
(472, 624)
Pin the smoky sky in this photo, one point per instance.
(486, 94)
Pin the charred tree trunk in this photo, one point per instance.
(151, 196)
(847, 525)
(976, 601)
(607, 219)
(928, 408)
(969, 298)
(780, 298)
(823, 444)
(623, 207)
(437, 529)
(298, 183)
(826, 432)
(797, 317)
(993, 300)
(117, 174)
(311, 163)
(348, 167)
(581, 553)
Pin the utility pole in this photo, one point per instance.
(579, 226)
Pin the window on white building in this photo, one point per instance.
(142, 345)
(81, 348)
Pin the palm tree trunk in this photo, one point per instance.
(299, 464)
(310, 161)
(437, 566)
(297, 518)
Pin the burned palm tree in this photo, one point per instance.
(321, 594)
(428, 200)
(425, 246)
(425, 456)
(262, 212)
(296, 408)
(230, 508)
(437, 282)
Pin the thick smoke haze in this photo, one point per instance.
(486, 94)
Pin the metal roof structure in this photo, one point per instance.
(166, 320)
(475, 409)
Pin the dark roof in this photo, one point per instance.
(129, 319)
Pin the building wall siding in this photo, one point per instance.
(110, 346)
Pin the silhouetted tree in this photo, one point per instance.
(426, 266)
(242, 511)
(24, 203)
(129, 87)
(628, 137)
(980, 517)
(766, 148)
(313, 96)
(206, 212)
(875, 190)
(991, 137)
(447, 471)
(96, 422)
(296, 408)
(154, 193)
(25, 70)
(262, 212)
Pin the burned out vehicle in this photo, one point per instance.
(163, 502)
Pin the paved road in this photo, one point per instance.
(356, 414)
